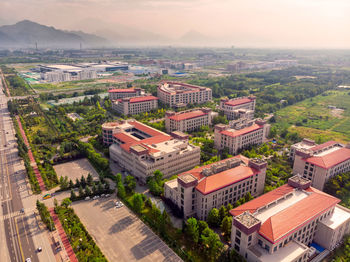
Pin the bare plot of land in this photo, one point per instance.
(76, 169)
(120, 234)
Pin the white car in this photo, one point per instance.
(107, 195)
(28, 259)
(87, 198)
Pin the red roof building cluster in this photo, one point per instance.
(242, 131)
(236, 102)
(188, 115)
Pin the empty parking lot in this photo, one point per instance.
(75, 169)
(120, 234)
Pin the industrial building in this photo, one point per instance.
(293, 223)
(197, 191)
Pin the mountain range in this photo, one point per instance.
(27, 33)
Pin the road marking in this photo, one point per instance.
(19, 241)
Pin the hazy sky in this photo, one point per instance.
(258, 23)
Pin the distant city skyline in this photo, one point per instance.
(254, 23)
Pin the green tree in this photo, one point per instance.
(214, 218)
(222, 212)
(99, 187)
(228, 208)
(87, 191)
(121, 190)
(226, 226)
(118, 178)
(137, 202)
(66, 202)
(94, 189)
(71, 184)
(81, 191)
(72, 195)
(130, 183)
(89, 179)
(83, 181)
(202, 225)
(212, 244)
(192, 229)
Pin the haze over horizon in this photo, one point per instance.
(254, 23)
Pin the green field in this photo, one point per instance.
(313, 118)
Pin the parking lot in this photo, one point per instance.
(75, 169)
(120, 234)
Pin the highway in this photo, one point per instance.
(16, 238)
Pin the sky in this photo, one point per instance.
(242, 23)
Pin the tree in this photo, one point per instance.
(212, 244)
(77, 183)
(202, 225)
(66, 202)
(192, 229)
(87, 191)
(99, 188)
(89, 179)
(121, 191)
(107, 187)
(82, 181)
(228, 208)
(222, 212)
(94, 189)
(226, 226)
(137, 203)
(81, 191)
(214, 218)
(72, 195)
(130, 183)
(118, 178)
(71, 184)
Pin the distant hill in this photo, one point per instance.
(26, 33)
(195, 38)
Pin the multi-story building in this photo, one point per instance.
(303, 144)
(188, 120)
(199, 190)
(283, 224)
(107, 132)
(177, 94)
(115, 94)
(135, 105)
(141, 150)
(240, 134)
(238, 107)
(322, 162)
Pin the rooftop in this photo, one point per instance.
(124, 90)
(330, 157)
(141, 99)
(239, 101)
(178, 87)
(339, 216)
(243, 131)
(287, 253)
(323, 146)
(187, 115)
(285, 209)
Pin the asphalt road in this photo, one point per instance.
(19, 240)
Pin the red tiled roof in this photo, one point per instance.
(188, 115)
(291, 218)
(263, 200)
(224, 179)
(156, 137)
(332, 159)
(324, 145)
(237, 102)
(242, 131)
(142, 99)
(125, 90)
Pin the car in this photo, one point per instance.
(107, 195)
(87, 198)
(103, 195)
(28, 259)
(39, 249)
(22, 210)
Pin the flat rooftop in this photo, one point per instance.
(339, 216)
(330, 157)
(288, 253)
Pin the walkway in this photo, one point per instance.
(63, 236)
(31, 157)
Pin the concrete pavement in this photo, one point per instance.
(20, 234)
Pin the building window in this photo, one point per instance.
(238, 233)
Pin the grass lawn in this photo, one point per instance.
(313, 118)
